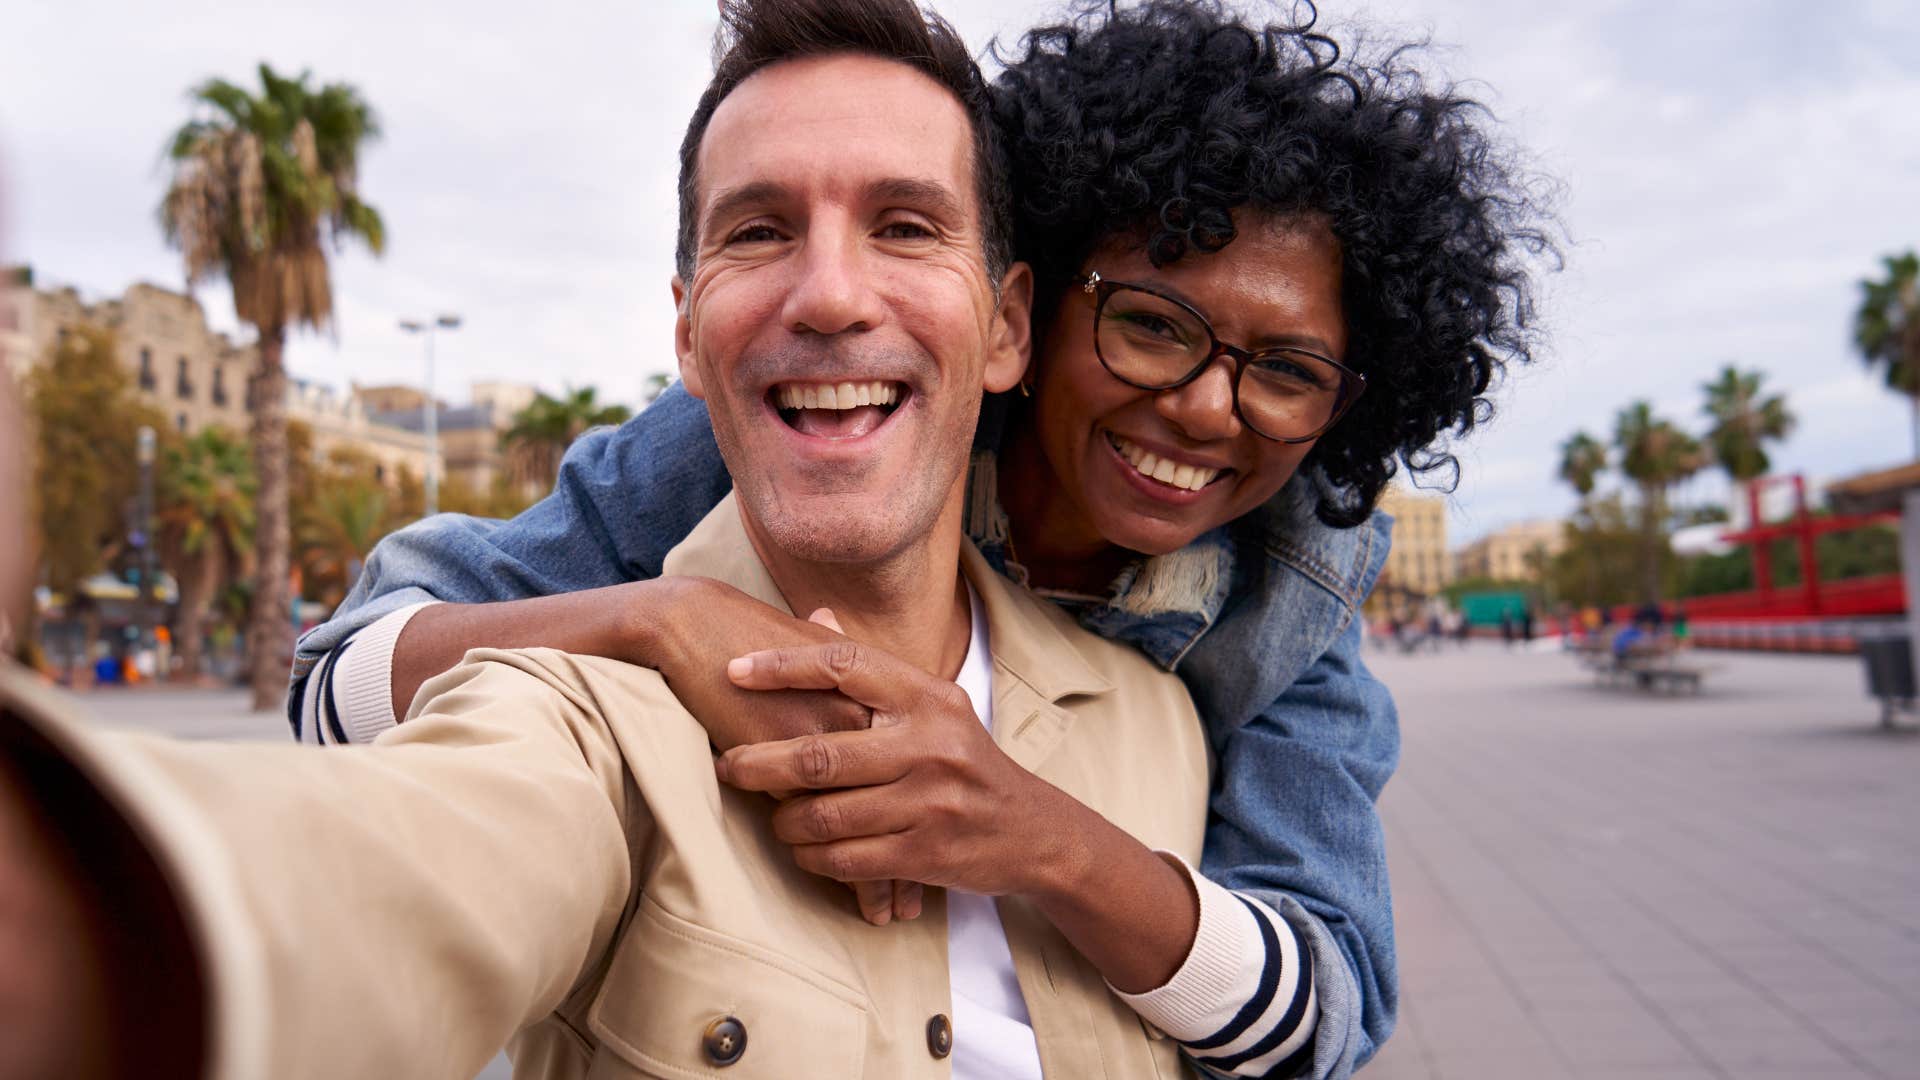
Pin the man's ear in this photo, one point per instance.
(1010, 341)
(683, 339)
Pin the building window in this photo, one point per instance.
(148, 381)
(180, 421)
(219, 385)
(183, 386)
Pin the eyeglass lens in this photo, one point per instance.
(1154, 343)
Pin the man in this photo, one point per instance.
(543, 853)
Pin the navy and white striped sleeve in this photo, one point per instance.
(349, 696)
(1242, 1003)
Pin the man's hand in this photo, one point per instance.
(925, 795)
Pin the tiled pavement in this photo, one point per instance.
(1599, 883)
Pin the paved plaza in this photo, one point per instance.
(1594, 882)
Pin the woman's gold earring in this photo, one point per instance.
(1025, 390)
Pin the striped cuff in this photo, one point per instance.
(362, 687)
(1242, 1002)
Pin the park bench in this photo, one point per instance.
(1649, 665)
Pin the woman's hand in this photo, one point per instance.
(699, 625)
(924, 795)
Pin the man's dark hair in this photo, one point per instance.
(756, 34)
(1158, 120)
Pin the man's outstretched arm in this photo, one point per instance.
(456, 880)
(624, 497)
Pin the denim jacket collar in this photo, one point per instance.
(1163, 604)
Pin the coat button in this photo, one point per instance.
(725, 1040)
(939, 1036)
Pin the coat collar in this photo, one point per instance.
(1028, 641)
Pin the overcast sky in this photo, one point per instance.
(1731, 171)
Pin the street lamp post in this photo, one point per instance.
(144, 454)
(417, 326)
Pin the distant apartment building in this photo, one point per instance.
(1518, 552)
(469, 435)
(194, 376)
(343, 422)
(1418, 564)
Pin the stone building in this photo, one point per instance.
(1518, 552)
(194, 376)
(190, 373)
(1417, 566)
(343, 421)
(469, 434)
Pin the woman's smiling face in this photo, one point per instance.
(1277, 284)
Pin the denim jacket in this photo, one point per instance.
(1259, 618)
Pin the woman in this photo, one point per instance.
(1264, 274)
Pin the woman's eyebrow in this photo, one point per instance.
(1283, 339)
(1309, 342)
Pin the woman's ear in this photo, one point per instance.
(1010, 344)
(683, 338)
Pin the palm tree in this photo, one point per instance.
(1582, 459)
(347, 516)
(1655, 455)
(1886, 328)
(1743, 423)
(260, 184)
(206, 519)
(541, 432)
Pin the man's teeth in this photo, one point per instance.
(1144, 462)
(844, 395)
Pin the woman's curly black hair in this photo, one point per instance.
(1161, 118)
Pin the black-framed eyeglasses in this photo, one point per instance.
(1152, 341)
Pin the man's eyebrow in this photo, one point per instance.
(733, 200)
(929, 195)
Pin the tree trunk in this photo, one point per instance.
(1653, 501)
(196, 597)
(270, 623)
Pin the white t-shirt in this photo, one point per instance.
(992, 1033)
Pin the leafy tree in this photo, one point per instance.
(204, 507)
(85, 416)
(347, 516)
(1605, 560)
(1582, 459)
(540, 433)
(260, 184)
(1655, 455)
(1744, 421)
(1886, 328)
(501, 499)
(657, 384)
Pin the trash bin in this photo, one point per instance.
(1889, 672)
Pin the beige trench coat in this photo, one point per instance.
(541, 855)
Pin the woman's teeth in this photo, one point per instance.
(844, 395)
(1144, 462)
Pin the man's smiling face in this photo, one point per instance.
(841, 322)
